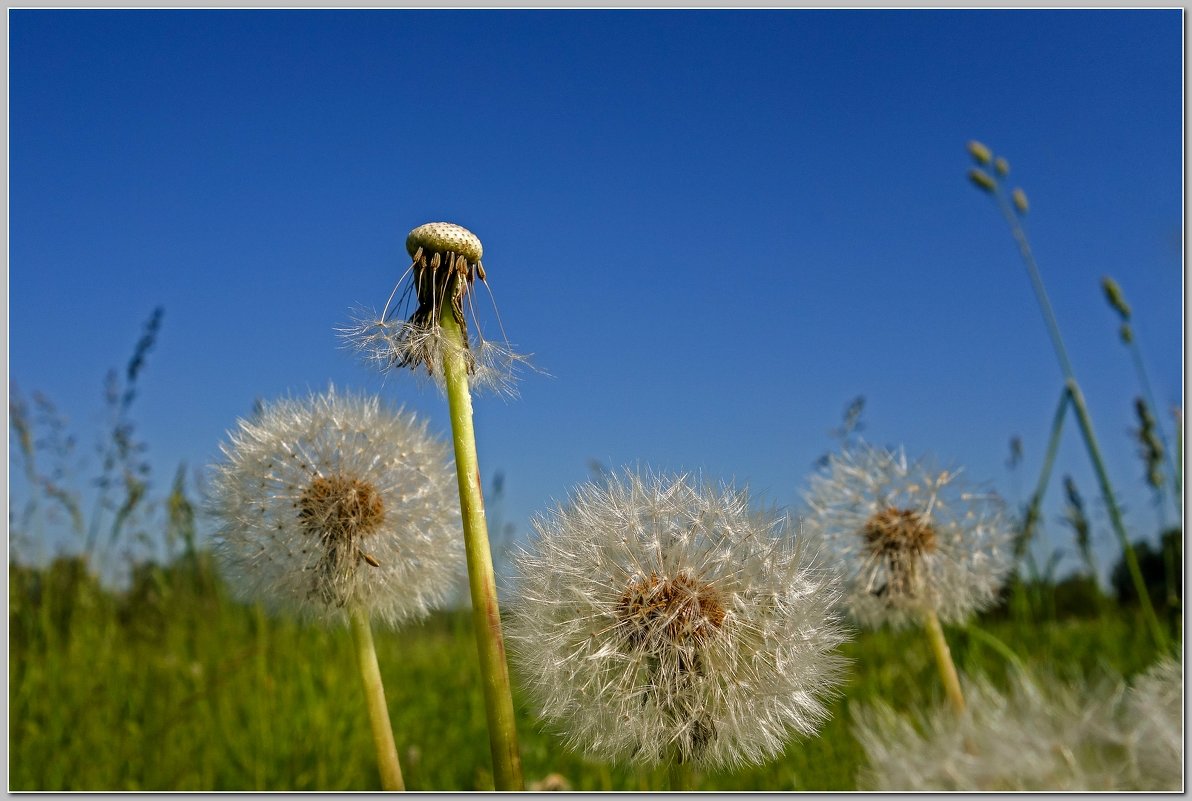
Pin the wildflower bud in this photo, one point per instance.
(1020, 201)
(982, 180)
(979, 152)
(1127, 334)
(1001, 166)
(1113, 294)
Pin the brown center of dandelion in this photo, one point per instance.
(900, 537)
(679, 611)
(340, 510)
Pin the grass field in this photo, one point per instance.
(173, 686)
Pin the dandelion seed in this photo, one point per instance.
(336, 502)
(661, 622)
(441, 280)
(910, 539)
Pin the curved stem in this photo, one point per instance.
(943, 660)
(486, 615)
(374, 696)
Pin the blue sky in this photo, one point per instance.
(711, 228)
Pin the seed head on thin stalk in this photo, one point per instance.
(659, 621)
(446, 265)
(910, 538)
(335, 502)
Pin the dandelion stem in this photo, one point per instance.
(374, 696)
(1086, 423)
(943, 660)
(486, 615)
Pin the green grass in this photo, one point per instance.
(173, 686)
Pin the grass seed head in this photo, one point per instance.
(333, 501)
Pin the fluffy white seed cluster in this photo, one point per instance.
(656, 621)
(1041, 734)
(336, 501)
(908, 537)
(1155, 713)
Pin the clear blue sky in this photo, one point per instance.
(712, 228)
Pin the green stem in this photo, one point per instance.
(996, 644)
(1115, 516)
(943, 660)
(1053, 444)
(374, 698)
(1086, 424)
(486, 615)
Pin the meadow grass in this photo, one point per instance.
(174, 686)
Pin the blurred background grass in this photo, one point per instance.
(171, 685)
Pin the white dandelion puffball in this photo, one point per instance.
(1041, 734)
(1155, 713)
(909, 538)
(658, 621)
(337, 501)
(441, 278)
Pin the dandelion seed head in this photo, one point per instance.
(440, 280)
(1154, 713)
(334, 501)
(656, 619)
(909, 537)
(1042, 733)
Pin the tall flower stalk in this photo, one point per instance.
(446, 265)
(1013, 208)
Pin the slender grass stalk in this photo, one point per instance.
(985, 638)
(1053, 445)
(486, 615)
(374, 696)
(1081, 408)
(943, 660)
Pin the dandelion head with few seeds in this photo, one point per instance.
(337, 501)
(910, 538)
(446, 265)
(659, 621)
